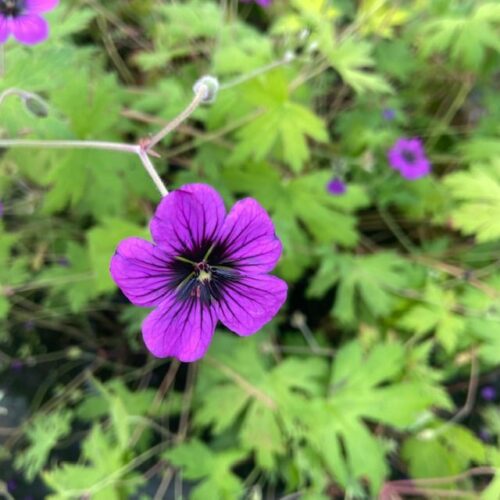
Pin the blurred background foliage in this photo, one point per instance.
(382, 369)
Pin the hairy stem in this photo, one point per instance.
(199, 97)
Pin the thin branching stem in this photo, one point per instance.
(142, 150)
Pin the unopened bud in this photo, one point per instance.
(35, 105)
(211, 84)
(289, 56)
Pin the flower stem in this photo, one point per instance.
(172, 125)
(142, 150)
(151, 170)
(109, 146)
(22, 94)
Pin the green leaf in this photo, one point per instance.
(436, 313)
(362, 281)
(200, 462)
(43, 433)
(102, 242)
(379, 17)
(477, 193)
(104, 476)
(352, 59)
(261, 433)
(446, 450)
(464, 38)
(282, 123)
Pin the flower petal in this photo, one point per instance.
(248, 304)
(188, 217)
(29, 29)
(4, 29)
(249, 238)
(141, 270)
(414, 172)
(179, 328)
(39, 6)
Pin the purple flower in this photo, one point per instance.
(488, 393)
(2, 209)
(16, 365)
(22, 19)
(262, 3)
(11, 485)
(205, 267)
(408, 156)
(63, 261)
(485, 434)
(389, 114)
(29, 325)
(336, 187)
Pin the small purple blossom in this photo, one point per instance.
(485, 435)
(23, 20)
(389, 114)
(63, 261)
(336, 186)
(29, 325)
(11, 485)
(262, 3)
(16, 365)
(204, 267)
(488, 393)
(2, 209)
(408, 156)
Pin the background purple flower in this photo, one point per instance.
(408, 156)
(488, 393)
(23, 20)
(2, 209)
(262, 3)
(336, 186)
(389, 114)
(17, 365)
(206, 267)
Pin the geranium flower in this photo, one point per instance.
(204, 267)
(23, 20)
(336, 186)
(408, 156)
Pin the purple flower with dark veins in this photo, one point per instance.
(204, 267)
(23, 20)
(408, 156)
(336, 186)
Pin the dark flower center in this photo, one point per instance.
(203, 273)
(12, 8)
(409, 156)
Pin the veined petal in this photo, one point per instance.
(250, 303)
(141, 270)
(188, 217)
(39, 6)
(249, 239)
(29, 29)
(182, 329)
(4, 29)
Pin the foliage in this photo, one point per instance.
(393, 315)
